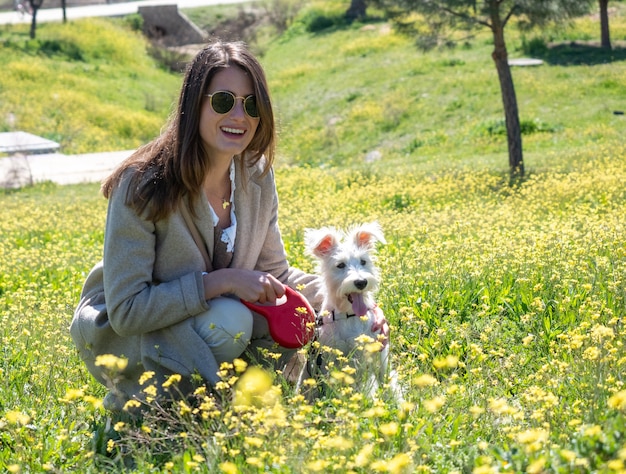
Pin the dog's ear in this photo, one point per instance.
(366, 235)
(320, 242)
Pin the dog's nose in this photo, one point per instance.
(360, 284)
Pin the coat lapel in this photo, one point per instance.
(204, 224)
(247, 205)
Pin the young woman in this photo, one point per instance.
(155, 299)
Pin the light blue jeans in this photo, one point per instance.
(232, 331)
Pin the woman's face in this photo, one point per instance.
(226, 135)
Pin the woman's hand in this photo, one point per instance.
(249, 285)
(380, 325)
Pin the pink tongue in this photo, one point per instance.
(358, 304)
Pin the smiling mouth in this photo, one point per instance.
(234, 131)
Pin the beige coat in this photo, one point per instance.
(137, 302)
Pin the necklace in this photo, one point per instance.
(225, 203)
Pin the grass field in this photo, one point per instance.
(507, 304)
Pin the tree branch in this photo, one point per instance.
(465, 16)
(510, 14)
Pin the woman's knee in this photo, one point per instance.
(226, 328)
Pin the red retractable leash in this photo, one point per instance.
(291, 319)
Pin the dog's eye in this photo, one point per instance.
(341, 265)
(363, 262)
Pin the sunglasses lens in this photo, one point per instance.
(250, 106)
(222, 102)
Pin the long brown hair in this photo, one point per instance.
(175, 164)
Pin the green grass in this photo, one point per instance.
(506, 303)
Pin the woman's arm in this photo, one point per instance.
(135, 302)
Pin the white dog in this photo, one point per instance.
(350, 279)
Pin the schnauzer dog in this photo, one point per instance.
(350, 278)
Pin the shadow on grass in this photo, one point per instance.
(578, 53)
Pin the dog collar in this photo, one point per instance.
(320, 319)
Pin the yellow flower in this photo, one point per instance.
(318, 465)
(425, 380)
(147, 375)
(130, 404)
(618, 400)
(253, 441)
(111, 362)
(73, 394)
(119, 426)
(435, 404)
(389, 429)
(364, 455)
(228, 467)
(17, 418)
(448, 362)
(593, 431)
(173, 379)
(150, 390)
(591, 353)
(253, 389)
(240, 365)
(532, 436)
(536, 467)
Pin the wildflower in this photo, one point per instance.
(425, 380)
(374, 347)
(253, 389)
(228, 467)
(528, 339)
(240, 365)
(532, 436)
(618, 400)
(72, 394)
(111, 362)
(150, 390)
(147, 375)
(500, 407)
(615, 465)
(119, 426)
(173, 379)
(395, 465)
(110, 446)
(130, 404)
(568, 455)
(485, 469)
(448, 362)
(318, 465)
(593, 431)
(364, 455)
(389, 429)
(17, 418)
(253, 441)
(435, 404)
(537, 466)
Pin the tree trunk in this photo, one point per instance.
(33, 23)
(604, 24)
(357, 10)
(509, 100)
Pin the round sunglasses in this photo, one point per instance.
(223, 102)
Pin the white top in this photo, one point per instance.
(228, 234)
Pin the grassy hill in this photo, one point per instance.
(506, 302)
(342, 94)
